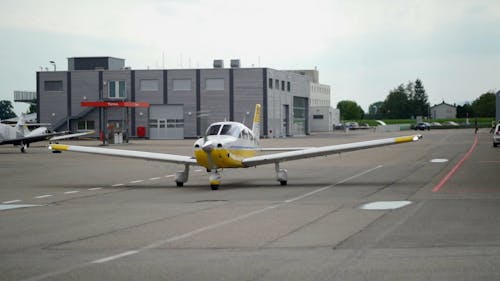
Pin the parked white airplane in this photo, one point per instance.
(233, 145)
(21, 136)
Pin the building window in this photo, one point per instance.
(283, 85)
(182, 84)
(288, 86)
(86, 125)
(116, 89)
(214, 84)
(318, 116)
(53, 86)
(149, 85)
(270, 83)
(175, 123)
(277, 84)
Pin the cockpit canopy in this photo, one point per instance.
(233, 129)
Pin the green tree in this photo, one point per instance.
(32, 109)
(6, 110)
(419, 100)
(350, 110)
(484, 106)
(374, 110)
(464, 111)
(397, 104)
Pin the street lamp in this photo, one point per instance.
(54, 64)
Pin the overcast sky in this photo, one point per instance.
(362, 49)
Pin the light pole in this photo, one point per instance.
(54, 64)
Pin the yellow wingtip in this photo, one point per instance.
(62, 147)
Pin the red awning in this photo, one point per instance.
(114, 104)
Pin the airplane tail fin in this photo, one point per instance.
(21, 125)
(256, 122)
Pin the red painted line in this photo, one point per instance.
(448, 176)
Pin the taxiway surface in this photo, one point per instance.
(105, 218)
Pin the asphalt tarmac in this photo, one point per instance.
(428, 210)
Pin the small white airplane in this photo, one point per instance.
(233, 145)
(21, 136)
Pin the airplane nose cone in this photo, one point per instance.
(208, 146)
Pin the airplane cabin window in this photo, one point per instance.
(213, 130)
(225, 130)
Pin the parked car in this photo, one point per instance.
(496, 136)
(450, 123)
(423, 126)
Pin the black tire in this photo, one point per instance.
(179, 184)
(283, 183)
(214, 186)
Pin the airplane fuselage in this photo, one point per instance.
(225, 145)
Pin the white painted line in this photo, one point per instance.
(330, 186)
(198, 170)
(226, 222)
(43, 196)
(118, 184)
(71, 192)
(137, 181)
(154, 179)
(385, 205)
(9, 207)
(115, 257)
(438, 160)
(11, 201)
(95, 188)
(169, 176)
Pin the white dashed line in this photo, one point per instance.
(170, 176)
(43, 196)
(95, 188)
(115, 257)
(154, 179)
(71, 192)
(137, 181)
(12, 201)
(198, 170)
(118, 184)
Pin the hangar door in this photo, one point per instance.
(166, 122)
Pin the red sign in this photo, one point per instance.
(114, 104)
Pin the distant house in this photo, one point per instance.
(443, 111)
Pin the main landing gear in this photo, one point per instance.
(182, 176)
(281, 174)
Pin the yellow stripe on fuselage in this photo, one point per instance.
(62, 147)
(223, 157)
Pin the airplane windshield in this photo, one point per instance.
(213, 130)
(230, 130)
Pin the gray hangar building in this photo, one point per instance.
(182, 102)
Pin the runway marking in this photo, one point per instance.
(9, 207)
(137, 181)
(439, 160)
(229, 221)
(169, 176)
(118, 184)
(43, 196)
(11, 201)
(95, 188)
(385, 205)
(115, 257)
(71, 192)
(154, 179)
(452, 172)
(198, 170)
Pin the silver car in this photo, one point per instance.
(496, 135)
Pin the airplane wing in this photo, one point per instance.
(24, 140)
(63, 137)
(171, 158)
(36, 138)
(324, 150)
